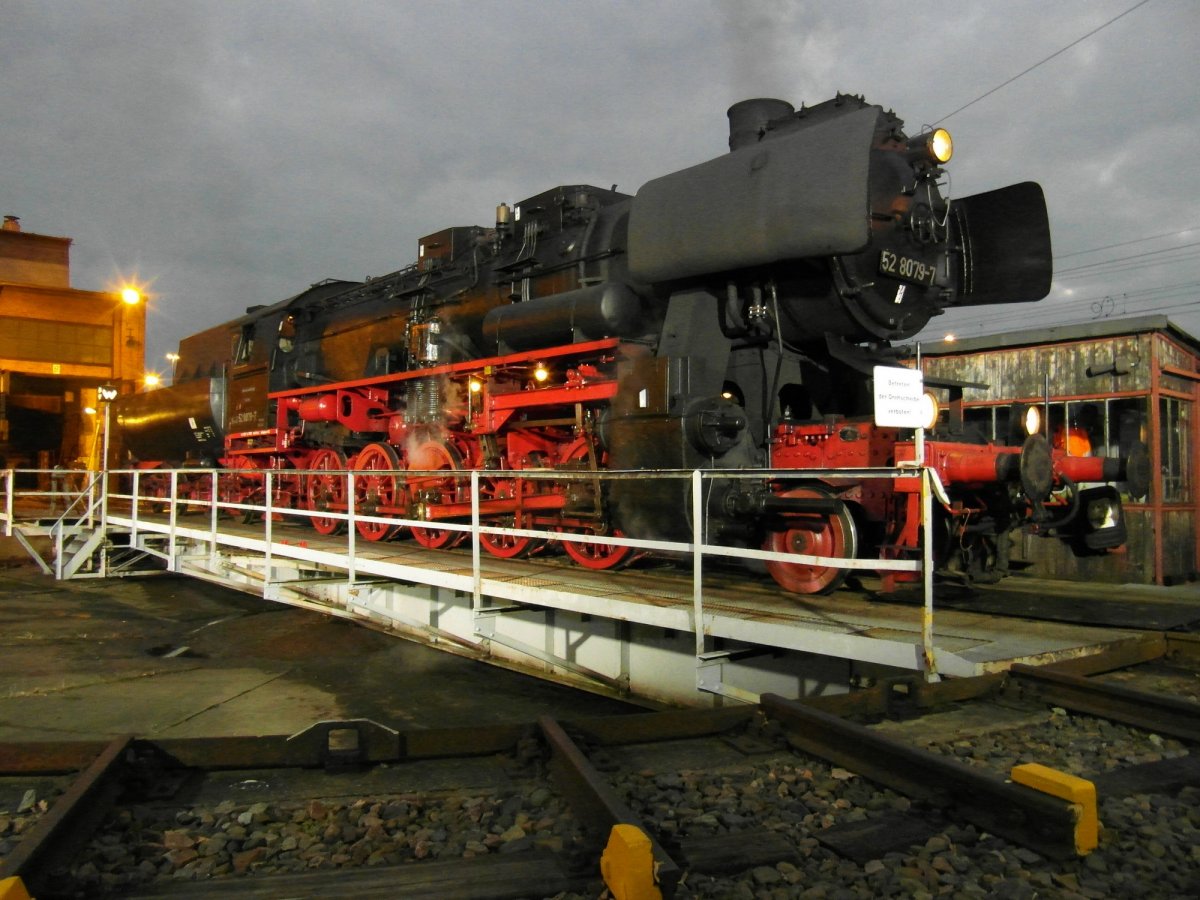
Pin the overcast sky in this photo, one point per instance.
(232, 153)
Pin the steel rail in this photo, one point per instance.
(1172, 716)
(70, 822)
(596, 803)
(1021, 814)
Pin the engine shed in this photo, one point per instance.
(1100, 387)
(58, 344)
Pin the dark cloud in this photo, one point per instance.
(234, 152)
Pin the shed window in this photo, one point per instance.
(1175, 425)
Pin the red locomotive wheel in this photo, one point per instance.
(244, 484)
(593, 556)
(377, 490)
(325, 491)
(597, 556)
(434, 456)
(813, 535)
(509, 546)
(152, 486)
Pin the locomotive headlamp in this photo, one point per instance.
(930, 409)
(941, 147)
(131, 296)
(1032, 420)
(1102, 513)
(475, 385)
(540, 373)
(935, 146)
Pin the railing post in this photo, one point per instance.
(351, 529)
(697, 561)
(104, 473)
(931, 673)
(214, 512)
(173, 520)
(9, 484)
(134, 503)
(268, 490)
(476, 564)
(57, 531)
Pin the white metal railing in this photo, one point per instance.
(72, 498)
(138, 519)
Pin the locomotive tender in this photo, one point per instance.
(728, 316)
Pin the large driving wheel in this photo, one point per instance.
(815, 534)
(434, 456)
(325, 489)
(593, 556)
(245, 484)
(509, 546)
(597, 556)
(377, 490)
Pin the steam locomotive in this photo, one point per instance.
(728, 316)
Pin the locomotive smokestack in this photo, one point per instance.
(748, 119)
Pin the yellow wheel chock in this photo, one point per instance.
(627, 865)
(1080, 792)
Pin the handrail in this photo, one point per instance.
(101, 491)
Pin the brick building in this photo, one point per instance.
(57, 345)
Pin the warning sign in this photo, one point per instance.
(898, 402)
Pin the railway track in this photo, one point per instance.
(905, 787)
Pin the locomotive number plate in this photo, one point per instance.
(906, 268)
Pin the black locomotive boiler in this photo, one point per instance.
(725, 317)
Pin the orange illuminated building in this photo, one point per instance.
(57, 345)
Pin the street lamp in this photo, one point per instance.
(131, 296)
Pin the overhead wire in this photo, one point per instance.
(1136, 261)
(1058, 52)
(1153, 237)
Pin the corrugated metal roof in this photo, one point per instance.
(1061, 333)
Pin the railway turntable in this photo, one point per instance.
(628, 633)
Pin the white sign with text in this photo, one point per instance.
(898, 401)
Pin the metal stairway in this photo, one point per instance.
(84, 545)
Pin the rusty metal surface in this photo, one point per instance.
(1021, 814)
(1157, 713)
(637, 728)
(70, 822)
(309, 749)
(594, 801)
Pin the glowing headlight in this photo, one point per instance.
(929, 410)
(1102, 513)
(941, 147)
(932, 146)
(541, 373)
(475, 385)
(1033, 420)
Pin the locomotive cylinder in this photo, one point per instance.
(603, 310)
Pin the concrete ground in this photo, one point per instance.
(167, 656)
